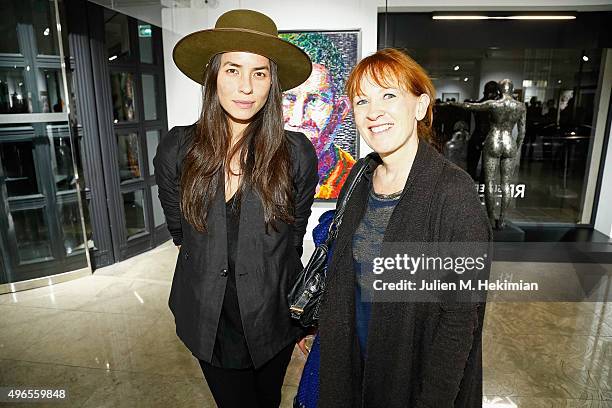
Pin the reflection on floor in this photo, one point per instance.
(552, 192)
(109, 340)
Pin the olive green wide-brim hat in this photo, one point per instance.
(247, 31)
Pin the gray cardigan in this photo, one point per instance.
(419, 354)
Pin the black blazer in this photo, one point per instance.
(421, 355)
(266, 263)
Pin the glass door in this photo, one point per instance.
(135, 66)
(41, 219)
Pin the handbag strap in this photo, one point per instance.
(332, 232)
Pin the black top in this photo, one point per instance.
(266, 262)
(231, 350)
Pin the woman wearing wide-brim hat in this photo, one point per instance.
(236, 190)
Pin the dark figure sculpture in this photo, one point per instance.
(501, 150)
(481, 130)
(455, 149)
(534, 118)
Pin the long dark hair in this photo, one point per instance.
(264, 155)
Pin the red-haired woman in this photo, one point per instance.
(400, 354)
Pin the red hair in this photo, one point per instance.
(389, 68)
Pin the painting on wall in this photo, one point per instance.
(320, 108)
(451, 97)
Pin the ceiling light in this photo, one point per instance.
(585, 58)
(466, 79)
(114, 57)
(559, 81)
(518, 17)
(456, 68)
(47, 31)
(540, 18)
(460, 17)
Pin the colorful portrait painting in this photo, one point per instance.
(319, 107)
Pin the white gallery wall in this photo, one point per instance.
(603, 217)
(603, 222)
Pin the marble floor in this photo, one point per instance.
(108, 339)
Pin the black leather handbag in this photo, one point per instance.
(309, 286)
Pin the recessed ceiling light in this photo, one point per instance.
(466, 79)
(114, 57)
(585, 58)
(456, 68)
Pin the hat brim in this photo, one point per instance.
(194, 51)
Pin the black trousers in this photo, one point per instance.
(249, 387)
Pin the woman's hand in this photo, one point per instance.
(302, 345)
(305, 343)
